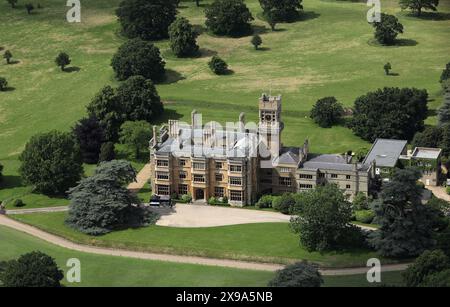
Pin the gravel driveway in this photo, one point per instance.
(183, 215)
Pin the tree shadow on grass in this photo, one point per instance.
(13, 62)
(168, 114)
(206, 53)
(9, 182)
(8, 89)
(310, 15)
(72, 69)
(393, 74)
(263, 49)
(171, 76)
(405, 42)
(434, 16)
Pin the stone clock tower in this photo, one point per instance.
(270, 125)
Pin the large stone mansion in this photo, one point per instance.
(247, 161)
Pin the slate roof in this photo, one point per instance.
(385, 152)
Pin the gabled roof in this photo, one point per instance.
(385, 152)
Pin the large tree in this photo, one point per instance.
(139, 99)
(390, 113)
(146, 19)
(106, 107)
(301, 274)
(135, 99)
(418, 5)
(137, 57)
(430, 137)
(34, 269)
(387, 29)
(51, 162)
(183, 38)
(282, 10)
(322, 219)
(228, 17)
(136, 135)
(102, 203)
(327, 112)
(428, 263)
(90, 135)
(406, 226)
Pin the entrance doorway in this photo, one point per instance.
(199, 194)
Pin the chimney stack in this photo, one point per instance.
(155, 137)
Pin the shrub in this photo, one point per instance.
(3, 84)
(387, 29)
(285, 203)
(300, 274)
(265, 201)
(187, 198)
(360, 202)
(428, 263)
(218, 66)
(18, 203)
(364, 216)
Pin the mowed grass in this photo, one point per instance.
(128, 272)
(99, 270)
(328, 53)
(265, 242)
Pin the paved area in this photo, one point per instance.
(5, 221)
(183, 215)
(141, 179)
(37, 210)
(439, 192)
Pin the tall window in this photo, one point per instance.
(182, 162)
(235, 168)
(236, 181)
(199, 166)
(219, 165)
(285, 181)
(334, 176)
(348, 177)
(182, 189)
(162, 163)
(183, 175)
(199, 178)
(235, 195)
(162, 189)
(219, 177)
(219, 192)
(162, 176)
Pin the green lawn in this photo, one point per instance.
(327, 53)
(266, 242)
(97, 270)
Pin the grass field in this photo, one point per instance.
(266, 242)
(97, 270)
(134, 272)
(327, 53)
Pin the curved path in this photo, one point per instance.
(5, 221)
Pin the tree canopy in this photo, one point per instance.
(183, 38)
(34, 269)
(387, 29)
(228, 17)
(135, 99)
(327, 112)
(146, 19)
(138, 58)
(62, 60)
(322, 219)
(418, 5)
(406, 226)
(391, 113)
(300, 274)
(90, 136)
(102, 203)
(281, 10)
(51, 162)
(136, 135)
(428, 263)
(218, 66)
